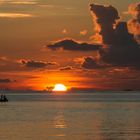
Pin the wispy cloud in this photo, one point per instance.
(83, 32)
(16, 8)
(15, 15)
(48, 6)
(67, 68)
(23, 2)
(6, 80)
(37, 64)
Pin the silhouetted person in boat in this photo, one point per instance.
(3, 98)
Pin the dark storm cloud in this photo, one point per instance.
(121, 47)
(71, 45)
(67, 68)
(112, 32)
(90, 63)
(5, 80)
(106, 17)
(36, 64)
(121, 56)
(122, 36)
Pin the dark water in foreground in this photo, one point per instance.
(84, 116)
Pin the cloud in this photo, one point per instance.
(21, 2)
(83, 32)
(91, 63)
(105, 17)
(36, 64)
(15, 15)
(8, 64)
(134, 23)
(120, 47)
(67, 68)
(17, 8)
(121, 56)
(71, 45)
(5, 80)
(64, 31)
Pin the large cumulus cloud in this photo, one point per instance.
(120, 47)
(119, 39)
(105, 17)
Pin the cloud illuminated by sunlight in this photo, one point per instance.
(24, 2)
(15, 15)
(28, 2)
(83, 32)
(64, 31)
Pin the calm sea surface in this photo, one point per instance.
(79, 116)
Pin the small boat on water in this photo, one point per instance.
(3, 98)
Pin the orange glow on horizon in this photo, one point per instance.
(47, 81)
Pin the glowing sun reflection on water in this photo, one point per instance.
(59, 120)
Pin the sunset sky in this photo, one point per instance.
(81, 44)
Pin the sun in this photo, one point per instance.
(60, 87)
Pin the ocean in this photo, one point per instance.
(72, 116)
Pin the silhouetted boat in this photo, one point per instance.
(3, 98)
